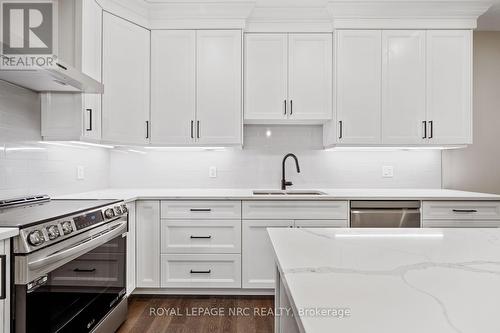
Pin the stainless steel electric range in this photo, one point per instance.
(69, 264)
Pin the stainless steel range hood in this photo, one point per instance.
(57, 78)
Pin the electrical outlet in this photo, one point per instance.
(80, 172)
(387, 171)
(212, 172)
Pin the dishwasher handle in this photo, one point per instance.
(385, 218)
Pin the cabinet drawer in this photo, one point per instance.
(461, 210)
(201, 271)
(201, 209)
(461, 223)
(295, 210)
(321, 224)
(200, 236)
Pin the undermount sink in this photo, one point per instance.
(290, 192)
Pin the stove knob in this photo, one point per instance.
(35, 238)
(67, 227)
(109, 213)
(124, 209)
(118, 210)
(53, 232)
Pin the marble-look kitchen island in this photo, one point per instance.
(387, 280)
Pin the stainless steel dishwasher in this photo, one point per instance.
(385, 214)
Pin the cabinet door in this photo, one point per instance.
(131, 249)
(218, 103)
(403, 86)
(91, 39)
(5, 303)
(173, 86)
(266, 71)
(148, 244)
(258, 266)
(125, 106)
(449, 86)
(358, 86)
(91, 116)
(310, 76)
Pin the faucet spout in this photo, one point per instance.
(284, 182)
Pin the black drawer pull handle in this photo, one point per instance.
(200, 237)
(201, 209)
(79, 270)
(3, 267)
(200, 272)
(465, 210)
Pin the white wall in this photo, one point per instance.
(259, 165)
(477, 168)
(29, 167)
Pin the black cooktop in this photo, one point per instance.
(25, 216)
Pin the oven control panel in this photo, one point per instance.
(39, 236)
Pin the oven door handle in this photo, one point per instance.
(85, 245)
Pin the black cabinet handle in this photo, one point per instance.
(284, 102)
(90, 120)
(465, 210)
(291, 107)
(3, 267)
(200, 272)
(200, 237)
(147, 129)
(201, 209)
(424, 125)
(341, 129)
(431, 134)
(192, 130)
(198, 129)
(80, 270)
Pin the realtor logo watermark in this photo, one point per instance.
(28, 34)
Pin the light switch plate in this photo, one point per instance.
(387, 171)
(80, 172)
(212, 172)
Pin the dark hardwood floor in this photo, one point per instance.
(199, 314)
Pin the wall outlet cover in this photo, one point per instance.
(212, 172)
(80, 172)
(387, 171)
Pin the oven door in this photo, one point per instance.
(85, 282)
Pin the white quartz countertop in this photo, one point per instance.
(392, 280)
(8, 233)
(246, 194)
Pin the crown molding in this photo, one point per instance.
(290, 19)
(406, 14)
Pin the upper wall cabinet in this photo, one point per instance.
(402, 87)
(196, 87)
(288, 78)
(68, 116)
(358, 86)
(449, 87)
(126, 50)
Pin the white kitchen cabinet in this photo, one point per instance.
(125, 103)
(258, 266)
(288, 78)
(219, 87)
(70, 116)
(403, 86)
(358, 87)
(449, 86)
(321, 223)
(266, 72)
(310, 76)
(201, 209)
(196, 87)
(173, 86)
(131, 248)
(295, 210)
(148, 244)
(5, 286)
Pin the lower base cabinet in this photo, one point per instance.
(200, 271)
(148, 244)
(131, 248)
(259, 268)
